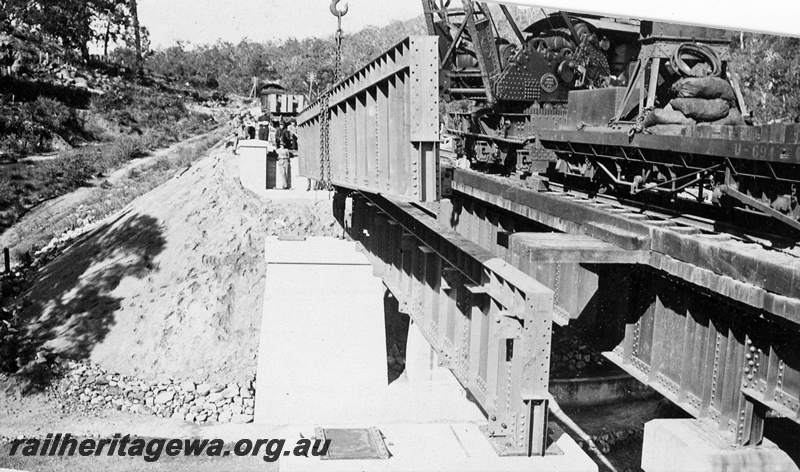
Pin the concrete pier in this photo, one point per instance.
(690, 445)
(256, 170)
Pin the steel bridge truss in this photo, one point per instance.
(489, 323)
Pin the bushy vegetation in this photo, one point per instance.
(231, 67)
(26, 184)
(76, 121)
(160, 118)
(46, 119)
(125, 124)
(75, 23)
(34, 233)
(31, 127)
(769, 67)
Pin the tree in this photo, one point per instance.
(116, 20)
(68, 21)
(136, 35)
(74, 23)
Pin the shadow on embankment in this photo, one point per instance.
(69, 308)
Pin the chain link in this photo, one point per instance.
(324, 141)
(325, 119)
(337, 72)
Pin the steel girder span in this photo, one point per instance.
(378, 130)
(490, 323)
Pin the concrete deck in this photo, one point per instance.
(322, 363)
(322, 348)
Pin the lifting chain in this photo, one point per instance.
(325, 142)
(325, 112)
(337, 71)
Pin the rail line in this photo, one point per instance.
(707, 225)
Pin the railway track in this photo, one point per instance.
(706, 225)
(706, 218)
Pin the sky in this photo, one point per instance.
(206, 21)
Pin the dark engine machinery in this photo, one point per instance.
(498, 93)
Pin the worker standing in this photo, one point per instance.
(291, 130)
(239, 132)
(284, 165)
(286, 136)
(250, 125)
(263, 127)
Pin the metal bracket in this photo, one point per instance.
(509, 326)
(501, 425)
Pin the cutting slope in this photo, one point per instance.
(175, 282)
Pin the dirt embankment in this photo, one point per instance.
(173, 284)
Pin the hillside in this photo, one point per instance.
(64, 122)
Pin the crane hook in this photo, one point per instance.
(335, 11)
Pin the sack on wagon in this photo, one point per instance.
(701, 109)
(734, 118)
(666, 116)
(704, 87)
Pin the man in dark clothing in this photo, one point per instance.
(286, 136)
(263, 126)
(250, 126)
(292, 129)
